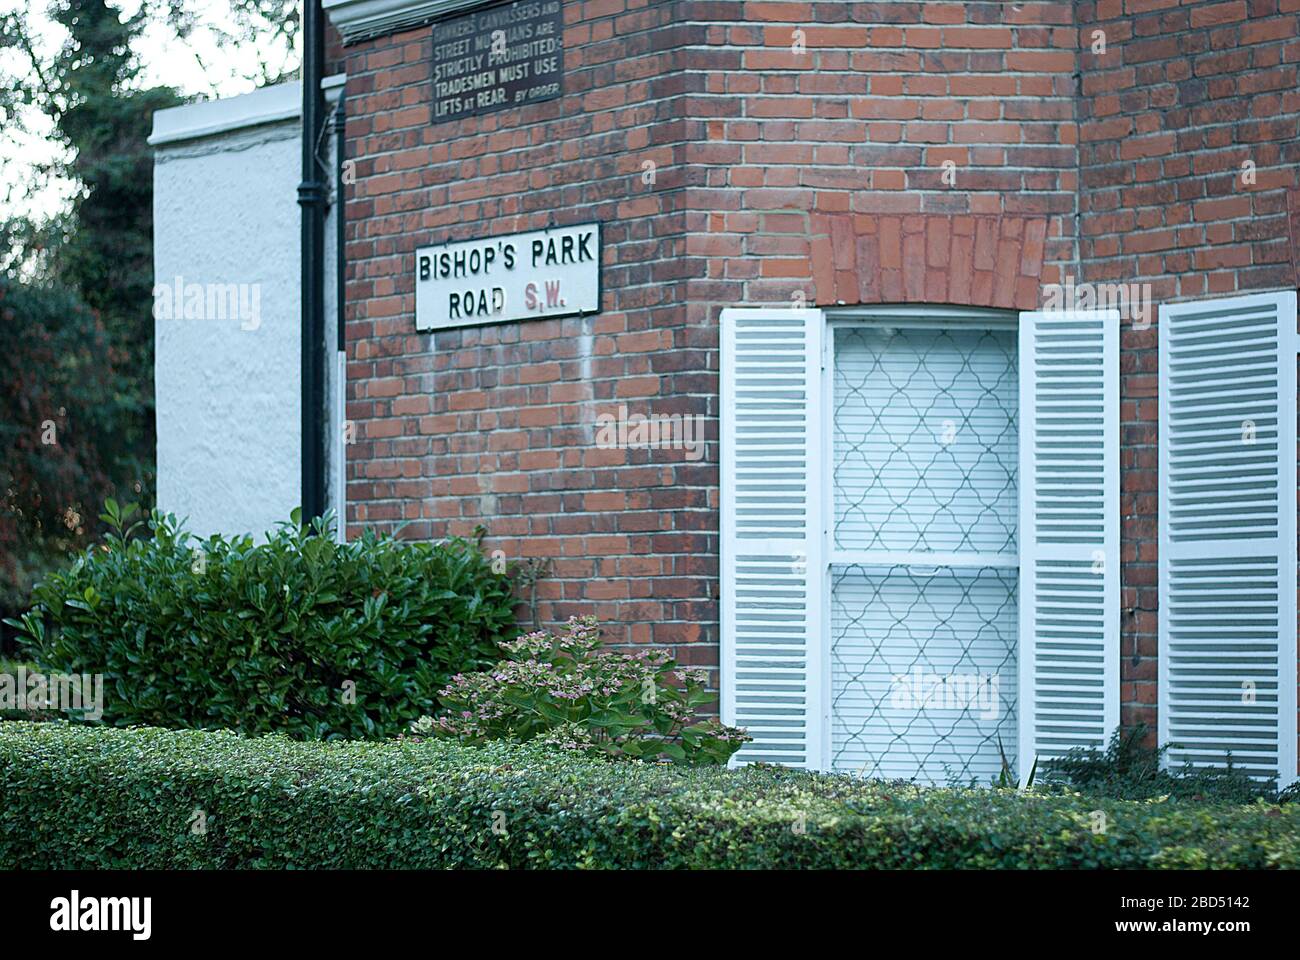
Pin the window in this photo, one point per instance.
(923, 554)
(854, 541)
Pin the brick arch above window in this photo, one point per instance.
(962, 259)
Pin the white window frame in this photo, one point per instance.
(915, 317)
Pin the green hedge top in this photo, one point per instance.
(77, 797)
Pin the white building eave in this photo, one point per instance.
(361, 19)
(208, 118)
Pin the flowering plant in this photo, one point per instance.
(560, 689)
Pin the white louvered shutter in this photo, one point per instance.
(772, 562)
(1227, 653)
(1069, 532)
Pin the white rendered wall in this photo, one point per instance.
(228, 390)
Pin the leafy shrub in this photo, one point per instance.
(1130, 770)
(299, 634)
(80, 797)
(563, 691)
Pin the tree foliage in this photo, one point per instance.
(78, 288)
(58, 427)
(78, 395)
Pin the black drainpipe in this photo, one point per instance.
(312, 197)
(340, 151)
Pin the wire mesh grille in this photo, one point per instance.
(925, 440)
(923, 656)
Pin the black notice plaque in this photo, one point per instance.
(498, 57)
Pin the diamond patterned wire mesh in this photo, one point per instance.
(923, 656)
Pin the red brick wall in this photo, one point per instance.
(1184, 94)
(758, 148)
(801, 151)
(494, 425)
(858, 125)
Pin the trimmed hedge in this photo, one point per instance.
(80, 797)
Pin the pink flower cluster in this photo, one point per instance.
(561, 689)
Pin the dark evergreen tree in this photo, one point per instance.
(57, 416)
(76, 308)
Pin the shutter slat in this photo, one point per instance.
(1069, 532)
(1227, 668)
(771, 573)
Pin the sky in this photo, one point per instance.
(200, 66)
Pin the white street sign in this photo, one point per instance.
(542, 273)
